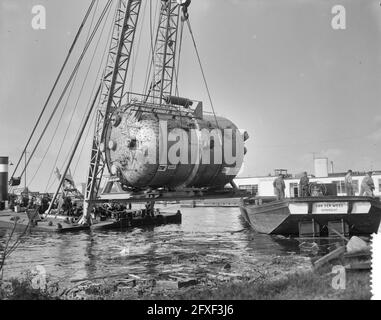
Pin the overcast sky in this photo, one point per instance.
(276, 68)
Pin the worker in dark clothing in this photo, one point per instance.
(304, 185)
(24, 201)
(150, 208)
(367, 185)
(66, 206)
(44, 203)
(279, 187)
(12, 201)
(348, 184)
(31, 203)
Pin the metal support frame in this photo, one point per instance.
(113, 85)
(164, 195)
(70, 190)
(165, 50)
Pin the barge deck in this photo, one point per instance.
(22, 222)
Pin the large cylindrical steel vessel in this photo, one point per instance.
(3, 178)
(158, 149)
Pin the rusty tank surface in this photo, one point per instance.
(172, 146)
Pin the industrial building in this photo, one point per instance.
(263, 185)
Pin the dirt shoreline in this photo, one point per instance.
(271, 277)
(286, 282)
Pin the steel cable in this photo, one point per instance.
(65, 107)
(136, 52)
(151, 56)
(202, 71)
(68, 83)
(92, 93)
(77, 101)
(94, 87)
(54, 85)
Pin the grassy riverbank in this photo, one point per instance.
(269, 278)
(303, 286)
(310, 285)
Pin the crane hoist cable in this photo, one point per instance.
(151, 56)
(177, 70)
(82, 119)
(136, 52)
(152, 44)
(65, 105)
(78, 98)
(84, 143)
(207, 89)
(48, 185)
(67, 84)
(52, 139)
(202, 71)
(75, 146)
(107, 45)
(55, 84)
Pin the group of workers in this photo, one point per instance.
(280, 186)
(118, 211)
(366, 189)
(69, 207)
(42, 202)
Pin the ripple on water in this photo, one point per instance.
(207, 237)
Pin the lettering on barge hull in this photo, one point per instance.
(330, 208)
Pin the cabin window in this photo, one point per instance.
(340, 186)
(252, 188)
(294, 190)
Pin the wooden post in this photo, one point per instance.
(328, 257)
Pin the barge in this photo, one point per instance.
(30, 221)
(314, 216)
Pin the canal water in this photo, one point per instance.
(207, 238)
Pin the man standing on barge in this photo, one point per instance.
(367, 185)
(304, 185)
(279, 187)
(348, 184)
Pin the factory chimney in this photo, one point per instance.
(321, 167)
